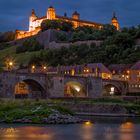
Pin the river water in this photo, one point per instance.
(96, 128)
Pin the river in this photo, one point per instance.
(96, 128)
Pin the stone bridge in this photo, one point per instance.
(32, 85)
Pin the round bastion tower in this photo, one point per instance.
(31, 20)
(115, 21)
(51, 13)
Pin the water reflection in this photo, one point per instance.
(25, 132)
(123, 130)
(127, 131)
(87, 130)
(127, 126)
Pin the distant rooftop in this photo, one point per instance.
(136, 66)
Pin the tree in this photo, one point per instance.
(7, 36)
(56, 24)
(29, 46)
(66, 26)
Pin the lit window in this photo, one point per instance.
(112, 91)
(128, 71)
(113, 72)
(127, 76)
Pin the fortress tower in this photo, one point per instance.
(31, 20)
(76, 15)
(51, 13)
(115, 21)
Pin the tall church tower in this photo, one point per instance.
(31, 20)
(115, 21)
(51, 13)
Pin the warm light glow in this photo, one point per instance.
(10, 63)
(44, 67)
(127, 76)
(77, 88)
(112, 91)
(88, 123)
(127, 126)
(33, 67)
(128, 71)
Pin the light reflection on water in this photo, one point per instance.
(96, 130)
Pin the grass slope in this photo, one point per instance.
(22, 58)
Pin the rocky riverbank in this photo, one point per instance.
(62, 112)
(52, 119)
(35, 112)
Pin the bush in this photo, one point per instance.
(56, 24)
(29, 46)
(62, 37)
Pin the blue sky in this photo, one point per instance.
(14, 14)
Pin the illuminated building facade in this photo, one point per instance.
(129, 73)
(35, 22)
(94, 70)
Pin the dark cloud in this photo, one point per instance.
(14, 13)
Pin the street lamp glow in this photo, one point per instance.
(33, 67)
(10, 63)
(44, 67)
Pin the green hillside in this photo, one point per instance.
(22, 58)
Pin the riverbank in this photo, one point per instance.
(64, 111)
(35, 112)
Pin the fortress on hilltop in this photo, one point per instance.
(35, 22)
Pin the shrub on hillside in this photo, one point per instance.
(56, 24)
(29, 46)
(7, 36)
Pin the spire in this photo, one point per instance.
(65, 14)
(33, 12)
(115, 22)
(114, 16)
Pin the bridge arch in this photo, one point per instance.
(29, 88)
(74, 89)
(111, 89)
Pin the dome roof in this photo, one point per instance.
(76, 13)
(51, 6)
